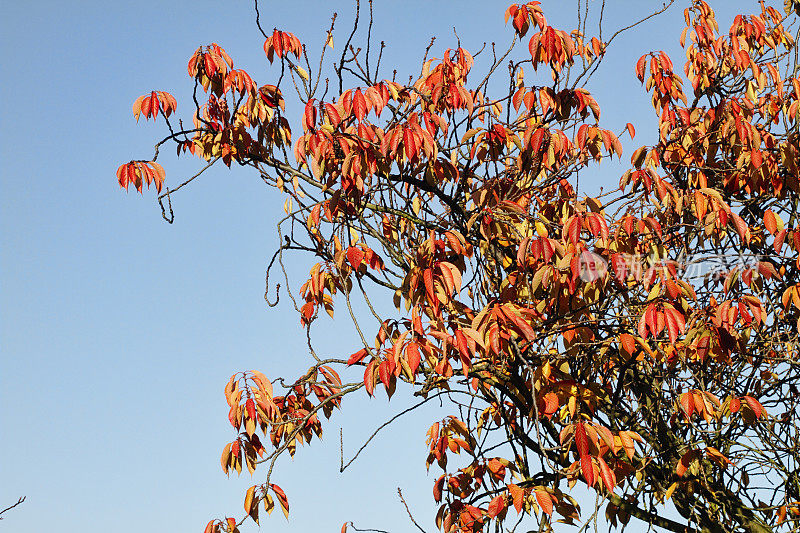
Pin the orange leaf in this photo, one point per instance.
(545, 501)
(517, 496)
(496, 506)
(627, 444)
(226, 457)
(628, 343)
(687, 404)
(248, 499)
(770, 222)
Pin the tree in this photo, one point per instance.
(641, 342)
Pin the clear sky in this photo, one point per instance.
(119, 331)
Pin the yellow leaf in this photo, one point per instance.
(393, 90)
(354, 237)
(670, 490)
(226, 455)
(248, 499)
(269, 504)
(470, 134)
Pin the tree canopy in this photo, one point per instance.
(640, 341)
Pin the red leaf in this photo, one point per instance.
(640, 65)
(496, 506)
(572, 229)
(310, 115)
(122, 176)
(736, 404)
(437, 489)
(582, 443)
(580, 137)
(410, 143)
(757, 408)
(333, 114)
(587, 467)
(413, 357)
(360, 108)
(384, 373)
(357, 357)
(369, 377)
(355, 256)
(516, 100)
(676, 323)
(609, 479)
(755, 158)
(428, 278)
(581, 440)
(281, 499)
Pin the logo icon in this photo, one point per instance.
(592, 266)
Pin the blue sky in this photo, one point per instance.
(119, 331)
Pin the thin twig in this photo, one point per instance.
(400, 493)
(21, 499)
(169, 191)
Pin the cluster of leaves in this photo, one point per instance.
(569, 330)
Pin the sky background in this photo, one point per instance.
(119, 331)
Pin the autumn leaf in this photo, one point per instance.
(357, 357)
(355, 256)
(496, 506)
(281, 496)
(685, 461)
(544, 500)
(517, 496)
